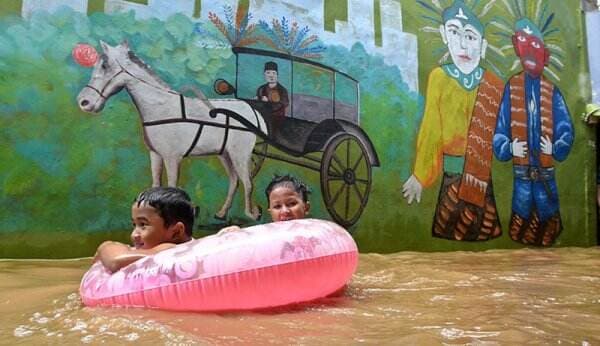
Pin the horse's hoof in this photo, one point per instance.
(222, 218)
(259, 213)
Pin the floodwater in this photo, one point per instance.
(500, 297)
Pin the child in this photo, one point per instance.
(162, 217)
(288, 198)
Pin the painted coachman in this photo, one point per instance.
(534, 129)
(456, 133)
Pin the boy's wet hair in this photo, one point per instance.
(290, 182)
(173, 205)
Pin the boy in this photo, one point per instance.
(162, 217)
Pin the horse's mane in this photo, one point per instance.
(140, 63)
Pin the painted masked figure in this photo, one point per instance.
(534, 129)
(456, 133)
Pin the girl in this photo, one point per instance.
(288, 198)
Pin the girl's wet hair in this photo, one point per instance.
(288, 181)
(173, 205)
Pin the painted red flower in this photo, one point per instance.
(85, 55)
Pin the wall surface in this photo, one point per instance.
(419, 125)
(593, 43)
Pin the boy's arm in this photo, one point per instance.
(115, 255)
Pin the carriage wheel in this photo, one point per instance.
(345, 179)
(258, 157)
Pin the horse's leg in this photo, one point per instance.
(156, 163)
(233, 182)
(173, 163)
(241, 164)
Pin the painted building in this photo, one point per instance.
(429, 125)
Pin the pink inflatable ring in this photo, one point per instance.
(258, 267)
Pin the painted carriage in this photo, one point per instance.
(320, 130)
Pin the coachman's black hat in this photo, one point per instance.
(271, 65)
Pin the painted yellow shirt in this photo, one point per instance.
(445, 124)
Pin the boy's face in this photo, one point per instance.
(287, 204)
(149, 229)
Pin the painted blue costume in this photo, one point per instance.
(535, 206)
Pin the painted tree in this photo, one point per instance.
(238, 31)
(291, 38)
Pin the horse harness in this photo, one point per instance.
(213, 114)
(183, 114)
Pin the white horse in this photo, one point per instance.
(176, 126)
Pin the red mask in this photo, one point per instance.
(532, 52)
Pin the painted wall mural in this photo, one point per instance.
(469, 114)
(400, 116)
(456, 133)
(534, 129)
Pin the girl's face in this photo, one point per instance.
(287, 204)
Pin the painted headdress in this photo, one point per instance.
(459, 11)
(534, 18)
(473, 12)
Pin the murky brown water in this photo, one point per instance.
(508, 297)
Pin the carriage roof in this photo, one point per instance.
(285, 56)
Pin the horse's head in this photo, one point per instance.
(108, 77)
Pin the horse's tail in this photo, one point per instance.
(199, 94)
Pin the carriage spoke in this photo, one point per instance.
(339, 162)
(337, 172)
(360, 195)
(335, 177)
(347, 153)
(337, 194)
(347, 200)
(364, 181)
(360, 158)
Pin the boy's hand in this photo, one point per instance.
(108, 246)
(109, 253)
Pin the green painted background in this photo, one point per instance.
(67, 178)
